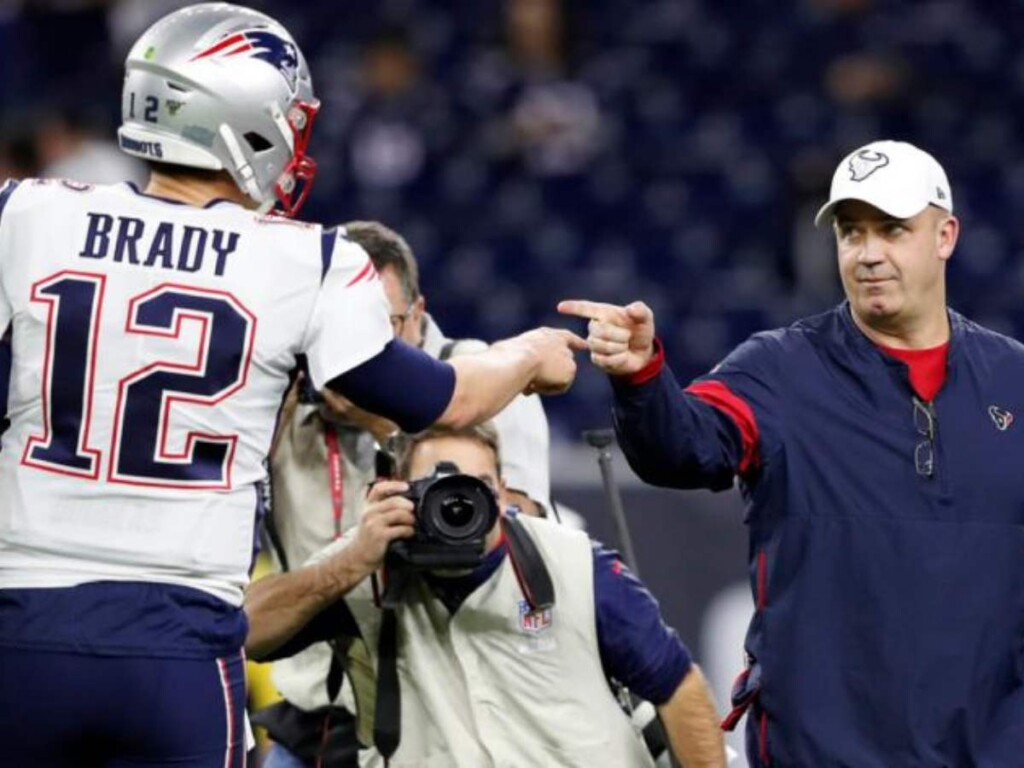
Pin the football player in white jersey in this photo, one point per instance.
(153, 334)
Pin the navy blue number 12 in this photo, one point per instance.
(73, 304)
(140, 453)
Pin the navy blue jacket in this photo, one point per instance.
(889, 627)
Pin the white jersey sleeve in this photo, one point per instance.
(350, 322)
(6, 191)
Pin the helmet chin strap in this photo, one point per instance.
(266, 207)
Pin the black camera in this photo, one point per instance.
(454, 512)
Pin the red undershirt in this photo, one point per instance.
(927, 368)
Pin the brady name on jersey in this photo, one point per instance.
(163, 244)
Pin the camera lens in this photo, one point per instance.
(457, 511)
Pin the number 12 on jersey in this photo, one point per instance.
(138, 453)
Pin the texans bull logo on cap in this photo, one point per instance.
(866, 162)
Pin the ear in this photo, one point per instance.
(502, 493)
(420, 306)
(946, 237)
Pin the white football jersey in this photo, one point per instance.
(152, 344)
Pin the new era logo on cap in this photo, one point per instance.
(893, 176)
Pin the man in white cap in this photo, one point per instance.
(878, 451)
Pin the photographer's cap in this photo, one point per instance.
(894, 176)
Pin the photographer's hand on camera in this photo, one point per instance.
(388, 516)
(286, 602)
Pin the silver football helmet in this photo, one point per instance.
(219, 86)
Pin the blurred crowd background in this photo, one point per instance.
(532, 150)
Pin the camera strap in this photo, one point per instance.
(535, 582)
(387, 710)
(527, 564)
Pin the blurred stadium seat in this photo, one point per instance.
(666, 149)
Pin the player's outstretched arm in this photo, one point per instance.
(691, 722)
(620, 339)
(412, 389)
(538, 361)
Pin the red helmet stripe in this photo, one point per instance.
(238, 37)
(240, 49)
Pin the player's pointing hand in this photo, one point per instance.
(554, 350)
(620, 339)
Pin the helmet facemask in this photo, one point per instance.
(296, 180)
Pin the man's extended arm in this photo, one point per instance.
(414, 390)
(691, 722)
(673, 438)
(670, 437)
(538, 361)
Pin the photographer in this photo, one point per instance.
(485, 678)
(322, 460)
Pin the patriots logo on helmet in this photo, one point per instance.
(866, 162)
(258, 44)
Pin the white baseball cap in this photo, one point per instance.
(894, 176)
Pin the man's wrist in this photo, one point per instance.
(528, 351)
(651, 369)
(523, 348)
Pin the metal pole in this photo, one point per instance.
(602, 439)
